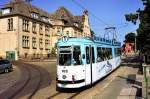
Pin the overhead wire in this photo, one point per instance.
(81, 6)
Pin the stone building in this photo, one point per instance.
(31, 32)
(65, 23)
(129, 48)
(25, 30)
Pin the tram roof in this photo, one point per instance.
(95, 40)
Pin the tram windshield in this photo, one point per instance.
(69, 56)
(65, 54)
(65, 59)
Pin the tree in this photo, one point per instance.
(143, 32)
(130, 37)
(53, 52)
(92, 33)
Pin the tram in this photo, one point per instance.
(83, 61)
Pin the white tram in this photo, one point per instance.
(82, 61)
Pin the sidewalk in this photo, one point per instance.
(127, 84)
(146, 81)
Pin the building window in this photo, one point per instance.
(25, 41)
(47, 31)
(34, 27)
(25, 25)
(41, 44)
(34, 15)
(6, 11)
(75, 33)
(41, 29)
(45, 19)
(10, 24)
(34, 43)
(67, 33)
(76, 24)
(47, 44)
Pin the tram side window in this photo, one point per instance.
(117, 52)
(87, 55)
(103, 54)
(99, 54)
(93, 56)
(109, 53)
(77, 55)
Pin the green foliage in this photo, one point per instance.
(143, 36)
(132, 17)
(92, 33)
(130, 37)
(53, 52)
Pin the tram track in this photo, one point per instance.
(49, 92)
(73, 96)
(22, 86)
(54, 95)
(58, 94)
(38, 85)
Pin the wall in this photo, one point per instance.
(8, 39)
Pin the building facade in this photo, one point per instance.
(25, 29)
(129, 48)
(30, 32)
(66, 24)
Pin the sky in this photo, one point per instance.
(102, 13)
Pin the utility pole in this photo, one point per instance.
(135, 43)
(112, 31)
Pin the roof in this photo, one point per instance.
(24, 8)
(78, 41)
(69, 19)
(74, 40)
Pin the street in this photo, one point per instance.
(36, 80)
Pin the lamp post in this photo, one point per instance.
(135, 42)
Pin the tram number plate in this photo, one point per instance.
(64, 71)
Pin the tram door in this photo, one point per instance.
(88, 64)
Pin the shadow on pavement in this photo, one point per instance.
(133, 62)
(131, 80)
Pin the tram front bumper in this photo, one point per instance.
(71, 84)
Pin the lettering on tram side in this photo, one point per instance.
(107, 67)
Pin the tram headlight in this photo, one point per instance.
(64, 76)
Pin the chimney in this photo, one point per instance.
(85, 12)
(16, 0)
